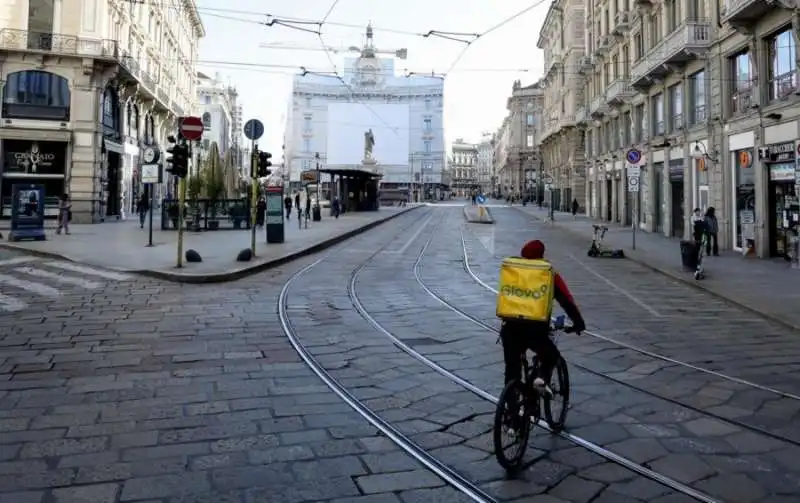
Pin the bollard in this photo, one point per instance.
(481, 211)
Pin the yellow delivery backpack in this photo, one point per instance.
(526, 291)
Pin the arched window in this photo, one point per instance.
(133, 121)
(149, 130)
(129, 115)
(33, 94)
(111, 112)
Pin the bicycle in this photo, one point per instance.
(520, 403)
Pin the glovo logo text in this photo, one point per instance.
(525, 293)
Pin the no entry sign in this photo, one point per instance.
(192, 128)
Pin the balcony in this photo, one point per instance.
(604, 46)
(566, 121)
(556, 60)
(622, 23)
(56, 44)
(585, 64)
(598, 107)
(689, 41)
(742, 14)
(644, 4)
(619, 92)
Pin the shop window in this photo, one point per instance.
(744, 191)
(33, 94)
(782, 66)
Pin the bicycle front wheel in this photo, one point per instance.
(512, 416)
(560, 399)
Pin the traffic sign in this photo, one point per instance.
(192, 128)
(481, 199)
(253, 129)
(151, 173)
(633, 183)
(633, 170)
(633, 156)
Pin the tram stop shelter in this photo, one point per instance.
(356, 187)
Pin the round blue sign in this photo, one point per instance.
(253, 129)
(481, 199)
(633, 156)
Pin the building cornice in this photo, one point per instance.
(554, 10)
(194, 18)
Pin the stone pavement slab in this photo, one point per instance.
(122, 246)
(770, 288)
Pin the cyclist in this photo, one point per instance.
(520, 335)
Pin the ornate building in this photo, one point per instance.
(86, 85)
(560, 139)
(369, 82)
(463, 168)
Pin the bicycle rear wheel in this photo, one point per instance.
(512, 415)
(560, 394)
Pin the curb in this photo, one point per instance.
(230, 275)
(471, 221)
(698, 285)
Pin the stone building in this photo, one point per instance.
(707, 94)
(486, 163)
(561, 140)
(86, 85)
(463, 167)
(519, 164)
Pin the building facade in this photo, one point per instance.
(518, 159)
(218, 106)
(560, 139)
(86, 84)
(486, 163)
(463, 167)
(370, 81)
(707, 94)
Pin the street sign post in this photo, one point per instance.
(151, 175)
(192, 128)
(634, 173)
(253, 130)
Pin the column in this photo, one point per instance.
(666, 195)
(86, 162)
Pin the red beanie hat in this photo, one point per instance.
(533, 250)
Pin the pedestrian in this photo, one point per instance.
(261, 211)
(575, 207)
(308, 207)
(336, 207)
(64, 214)
(287, 203)
(297, 203)
(712, 228)
(142, 207)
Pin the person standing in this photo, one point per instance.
(575, 207)
(64, 214)
(142, 207)
(287, 203)
(712, 228)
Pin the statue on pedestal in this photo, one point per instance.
(369, 143)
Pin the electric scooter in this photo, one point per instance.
(597, 249)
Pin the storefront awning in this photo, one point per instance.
(10, 133)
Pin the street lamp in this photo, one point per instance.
(700, 153)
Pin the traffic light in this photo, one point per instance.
(264, 164)
(177, 158)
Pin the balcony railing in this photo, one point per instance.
(622, 23)
(163, 96)
(67, 45)
(597, 107)
(744, 13)
(619, 92)
(585, 64)
(605, 45)
(685, 43)
(741, 101)
(566, 121)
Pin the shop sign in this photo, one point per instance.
(779, 152)
(34, 158)
(782, 172)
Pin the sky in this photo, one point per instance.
(476, 88)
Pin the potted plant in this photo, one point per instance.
(194, 189)
(214, 184)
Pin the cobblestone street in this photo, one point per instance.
(339, 377)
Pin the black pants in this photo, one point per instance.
(518, 337)
(712, 238)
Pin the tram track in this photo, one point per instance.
(453, 478)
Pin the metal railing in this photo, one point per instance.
(203, 215)
(690, 34)
(23, 40)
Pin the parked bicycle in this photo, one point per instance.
(520, 404)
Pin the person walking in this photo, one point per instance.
(287, 203)
(575, 207)
(64, 214)
(712, 229)
(308, 208)
(142, 207)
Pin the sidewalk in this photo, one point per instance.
(122, 246)
(767, 287)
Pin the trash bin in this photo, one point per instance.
(689, 255)
(316, 213)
